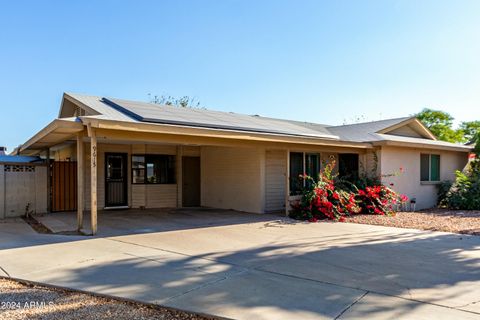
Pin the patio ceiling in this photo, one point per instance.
(58, 131)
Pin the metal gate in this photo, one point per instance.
(116, 180)
(63, 186)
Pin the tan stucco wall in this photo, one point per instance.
(394, 158)
(67, 153)
(233, 178)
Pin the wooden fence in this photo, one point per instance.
(64, 185)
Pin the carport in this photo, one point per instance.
(109, 161)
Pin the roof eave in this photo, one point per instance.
(459, 148)
(65, 128)
(212, 132)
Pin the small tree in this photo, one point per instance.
(440, 123)
(470, 130)
(476, 149)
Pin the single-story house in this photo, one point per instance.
(130, 154)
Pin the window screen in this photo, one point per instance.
(434, 167)
(424, 167)
(348, 166)
(138, 169)
(312, 162)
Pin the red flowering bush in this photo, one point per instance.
(322, 200)
(377, 200)
(325, 199)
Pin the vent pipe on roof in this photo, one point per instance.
(3, 150)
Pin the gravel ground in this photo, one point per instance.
(456, 221)
(20, 301)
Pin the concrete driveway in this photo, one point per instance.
(249, 266)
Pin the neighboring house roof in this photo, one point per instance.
(406, 131)
(18, 159)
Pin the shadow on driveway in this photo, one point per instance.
(259, 266)
(308, 279)
(15, 233)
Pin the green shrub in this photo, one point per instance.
(464, 193)
(443, 190)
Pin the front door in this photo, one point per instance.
(191, 181)
(116, 180)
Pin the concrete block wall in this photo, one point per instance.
(2, 191)
(19, 189)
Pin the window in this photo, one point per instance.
(348, 166)
(153, 169)
(296, 169)
(115, 166)
(300, 163)
(429, 167)
(312, 164)
(138, 169)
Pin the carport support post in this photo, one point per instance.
(93, 178)
(49, 181)
(80, 179)
(287, 183)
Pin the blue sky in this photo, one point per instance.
(320, 61)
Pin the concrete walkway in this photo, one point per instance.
(248, 266)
